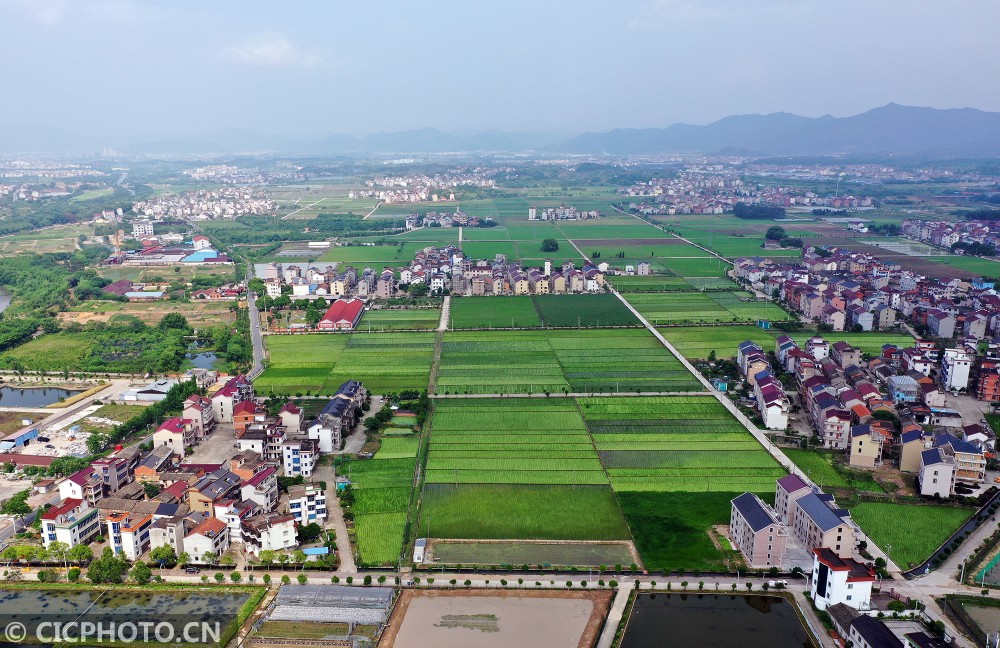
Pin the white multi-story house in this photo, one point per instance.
(307, 502)
(210, 536)
(268, 531)
(840, 580)
(72, 522)
(128, 535)
(955, 368)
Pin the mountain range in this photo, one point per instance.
(889, 130)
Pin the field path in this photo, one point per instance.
(325, 472)
(374, 209)
(445, 314)
(290, 214)
(614, 616)
(774, 451)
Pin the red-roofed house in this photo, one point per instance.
(235, 391)
(198, 410)
(343, 315)
(840, 580)
(210, 536)
(244, 414)
(72, 521)
(86, 485)
(176, 433)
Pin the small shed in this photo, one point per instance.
(419, 549)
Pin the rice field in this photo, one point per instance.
(493, 312)
(531, 311)
(414, 319)
(523, 441)
(382, 489)
(699, 341)
(707, 307)
(320, 363)
(521, 512)
(554, 361)
(676, 443)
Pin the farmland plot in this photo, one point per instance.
(320, 363)
(592, 361)
(381, 489)
(676, 443)
(414, 319)
(526, 441)
(493, 312)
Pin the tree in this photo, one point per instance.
(309, 532)
(59, 551)
(80, 554)
(550, 245)
(174, 321)
(775, 233)
(299, 557)
(17, 504)
(152, 489)
(210, 557)
(164, 556)
(227, 561)
(219, 577)
(141, 573)
(109, 568)
(267, 557)
(418, 290)
(183, 558)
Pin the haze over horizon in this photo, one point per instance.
(128, 70)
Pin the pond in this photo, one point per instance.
(35, 607)
(200, 359)
(33, 396)
(710, 620)
(4, 300)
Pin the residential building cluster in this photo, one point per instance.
(442, 269)
(947, 233)
(201, 509)
(715, 189)
(14, 169)
(854, 290)
(841, 394)
(447, 219)
(232, 175)
(226, 202)
(423, 188)
(561, 213)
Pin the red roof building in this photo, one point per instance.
(343, 315)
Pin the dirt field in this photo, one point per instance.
(199, 314)
(485, 619)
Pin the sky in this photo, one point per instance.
(134, 69)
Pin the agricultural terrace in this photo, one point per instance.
(676, 443)
(699, 341)
(411, 319)
(320, 363)
(591, 361)
(382, 490)
(707, 307)
(913, 532)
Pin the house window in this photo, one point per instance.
(849, 597)
(850, 586)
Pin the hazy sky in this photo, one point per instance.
(145, 68)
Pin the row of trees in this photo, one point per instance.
(758, 212)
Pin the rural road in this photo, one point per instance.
(255, 335)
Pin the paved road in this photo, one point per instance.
(335, 518)
(255, 336)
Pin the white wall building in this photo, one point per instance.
(840, 580)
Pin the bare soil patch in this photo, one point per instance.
(488, 619)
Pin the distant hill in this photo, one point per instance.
(887, 131)
(891, 129)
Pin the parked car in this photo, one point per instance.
(193, 570)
